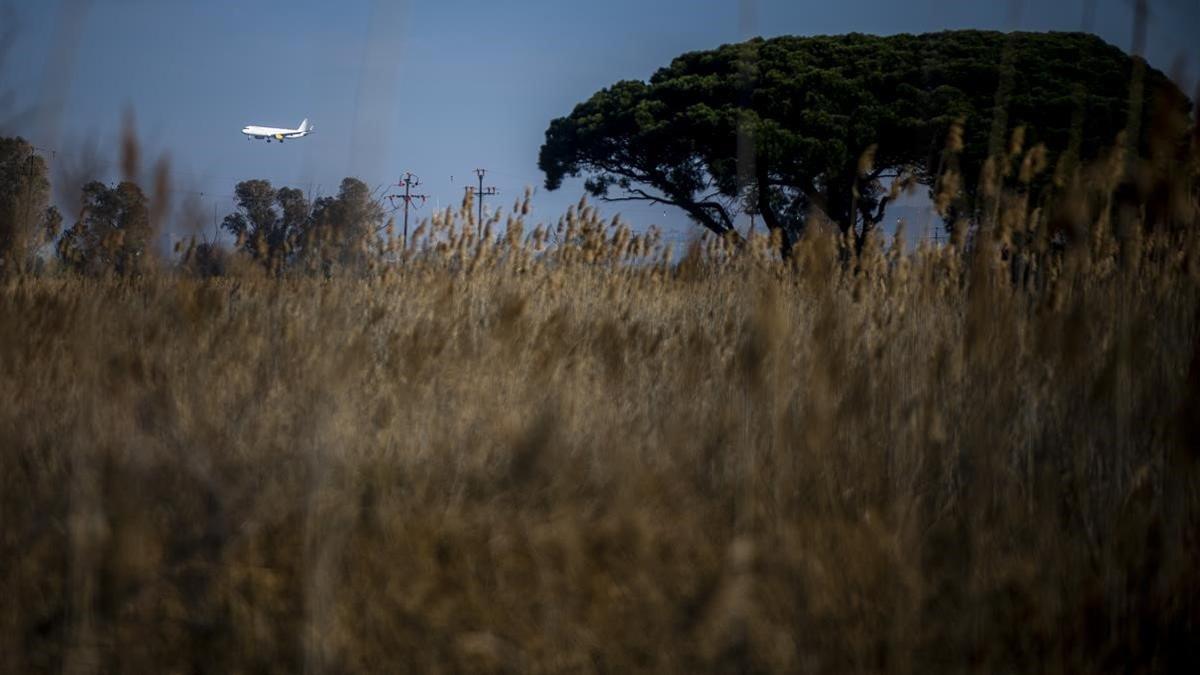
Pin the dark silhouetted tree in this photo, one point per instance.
(27, 222)
(822, 125)
(343, 232)
(268, 222)
(113, 234)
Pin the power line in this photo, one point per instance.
(408, 182)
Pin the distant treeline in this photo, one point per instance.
(117, 226)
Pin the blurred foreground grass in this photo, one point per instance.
(584, 458)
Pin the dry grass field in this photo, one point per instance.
(567, 451)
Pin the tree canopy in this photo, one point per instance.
(344, 227)
(791, 125)
(113, 234)
(268, 221)
(27, 222)
(281, 228)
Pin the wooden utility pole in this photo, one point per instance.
(480, 194)
(408, 182)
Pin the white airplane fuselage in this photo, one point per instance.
(276, 133)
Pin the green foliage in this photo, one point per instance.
(114, 233)
(267, 222)
(817, 126)
(343, 227)
(27, 222)
(281, 229)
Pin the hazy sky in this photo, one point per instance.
(434, 87)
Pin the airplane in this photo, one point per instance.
(276, 133)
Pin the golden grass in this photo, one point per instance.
(565, 453)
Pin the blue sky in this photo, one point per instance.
(437, 88)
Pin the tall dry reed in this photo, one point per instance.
(562, 450)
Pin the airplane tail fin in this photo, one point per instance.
(304, 126)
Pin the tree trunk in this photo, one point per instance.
(770, 218)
